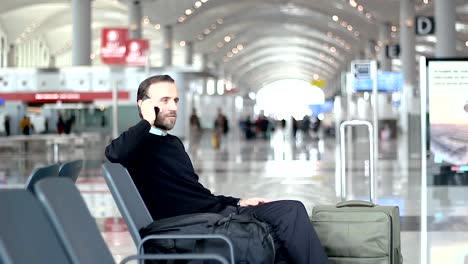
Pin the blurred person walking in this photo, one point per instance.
(195, 129)
(6, 124)
(26, 126)
(60, 124)
(221, 127)
(262, 125)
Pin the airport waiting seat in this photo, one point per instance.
(77, 229)
(41, 173)
(26, 235)
(128, 199)
(133, 208)
(74, 223)
(71, 169)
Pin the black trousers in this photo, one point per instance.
(295, 239)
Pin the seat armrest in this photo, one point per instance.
(210, 236)
(176, 257)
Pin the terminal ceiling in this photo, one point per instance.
(268, 39)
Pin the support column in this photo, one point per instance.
(27, 53)
(189, 53)
(3, 53)
(408, 53)
(32, 55)
(134, 19)
(24, 54)
(81, 39)
(167, 46)
(35, 53)
(409, 108)
(44, 56)
(204, 62)
(52, 61)
(12, 57)
(445, 14)
(19, 51)
(360, 55)
(219, 72)
(217, 68)
(370, 49)
(384, 38)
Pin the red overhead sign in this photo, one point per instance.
(116, 48)
(114, 45)
(137, 52)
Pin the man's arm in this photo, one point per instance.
(123, 149)
(228, 200)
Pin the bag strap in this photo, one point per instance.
(238, 218)
(244, 218)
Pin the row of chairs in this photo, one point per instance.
(69, 170)
(50, 223)
(54, 225)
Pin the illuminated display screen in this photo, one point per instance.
(322, 108)
(448, 117)
(386, 81)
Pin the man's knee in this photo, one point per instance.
(292, 208)
(294, 205)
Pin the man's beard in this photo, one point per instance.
(164, 122)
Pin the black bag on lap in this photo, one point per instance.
(250, 237)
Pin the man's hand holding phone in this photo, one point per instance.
(149, 111)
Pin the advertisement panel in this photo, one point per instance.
(448, 110)
(136, 52)
(114, 45)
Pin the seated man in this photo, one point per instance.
(165, 177)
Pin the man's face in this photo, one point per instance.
(164, 95)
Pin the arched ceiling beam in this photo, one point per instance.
(253, 54)
(283, 67)
(267, 77)
(13, 6)
(319, 12)
(290, 26)
(278, 38)
(283, 58)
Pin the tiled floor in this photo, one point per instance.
(281, 168)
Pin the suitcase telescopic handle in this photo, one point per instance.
(353, 123)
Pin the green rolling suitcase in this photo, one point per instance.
(358, 232)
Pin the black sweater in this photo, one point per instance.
(163, 173)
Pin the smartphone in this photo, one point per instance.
(156, 112)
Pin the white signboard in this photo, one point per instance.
(361, 69)
(448, 109)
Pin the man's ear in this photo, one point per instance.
(139, 108)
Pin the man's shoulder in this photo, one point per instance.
(173, 137)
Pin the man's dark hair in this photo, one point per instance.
(144, 85)
(142, 93)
